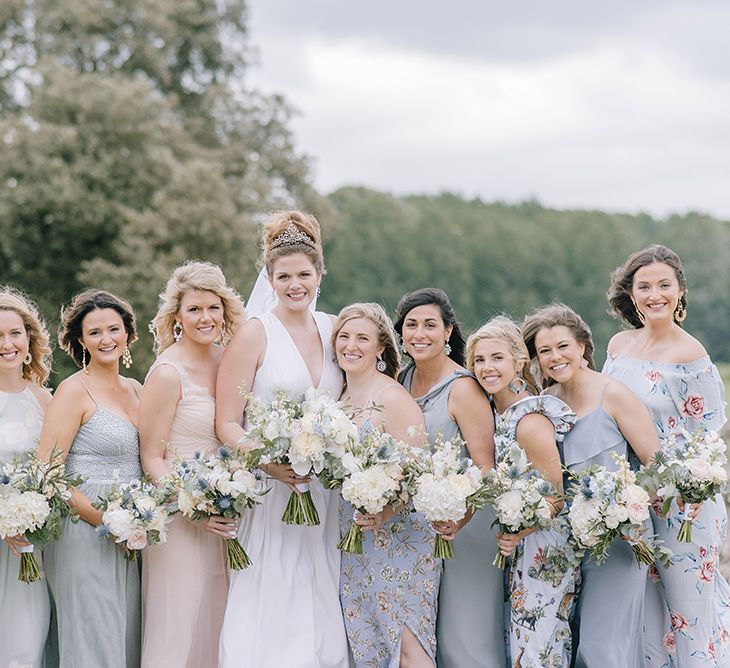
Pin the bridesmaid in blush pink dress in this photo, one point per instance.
(184, 580)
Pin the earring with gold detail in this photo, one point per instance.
(126, 357)
(639, 314)
(83, 360)
(680, 313)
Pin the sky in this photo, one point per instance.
(621, 106)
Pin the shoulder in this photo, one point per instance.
(42, 395)
(546, 406)
(163, 375)
(134, 385)
(535, 427)
(688, 348)
(466, 389)
(251, 335)
(618, 397)
(395, 394)
(71, 396)
(621, 341)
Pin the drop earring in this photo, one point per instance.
(177, 331)
(28, 359)
(680, 313)
(517, 384)
(126, 357)
(83, 360)
(380, 365)
(447, 348)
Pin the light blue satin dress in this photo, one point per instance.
(470, 624)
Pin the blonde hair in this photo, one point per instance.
(35, 328)
(504, 329)
(194, 275)
(386, 334)
(274, 229)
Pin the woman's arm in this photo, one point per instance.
(633, 420)
(470, 409)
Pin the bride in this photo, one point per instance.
(284, 610)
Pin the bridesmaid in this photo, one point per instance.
(469, 628)
(184, 580)
(389, 592)
(609, 420)
(92, 419)
(284, 610)
(541, 582)
(670, 371)
(25, 358)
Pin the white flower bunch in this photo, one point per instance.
(374, 476)
(134, 513)
(519, 494)
(218, 485)
(606, 505)
(447, 485)
(35, 497)
(692, 470)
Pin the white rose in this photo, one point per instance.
(508, 508)
(119, 522)
(700, 469)
(636, 501)
(615, 515)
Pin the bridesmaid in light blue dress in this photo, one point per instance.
(389, 592)
(542, 576)
(95, 590)
(470, 624)
(687, 619)
(608, 414)
(24, 369)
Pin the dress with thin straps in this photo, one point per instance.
(602, 638)
(95, 590)
(284, 610)
(184, 580)
(393, 584)
(470, 625)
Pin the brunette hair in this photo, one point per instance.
(556, 314)
(35, 328)
(622, 281)
(436, 297)
(386, 334)
(276, 244)
(72, 318)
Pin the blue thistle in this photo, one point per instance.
(224, 503)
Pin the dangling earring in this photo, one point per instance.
(517, 384)
(177, 331)
(380, 365)
(28, 359)
(639, 314)
(680, 313)
(319, 292)
(447, 348)
(126, 357)
(83, 360)
(402, 345)
(222, 335)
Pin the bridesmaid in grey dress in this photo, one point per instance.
(469, 628)
(95, 590)
(24, 369)
(610, 419)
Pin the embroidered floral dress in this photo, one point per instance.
(691, 598)
(542, 580)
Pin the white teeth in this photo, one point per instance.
(559, 367)
(10, 356)
(490, 379)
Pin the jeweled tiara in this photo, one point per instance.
(291, 236)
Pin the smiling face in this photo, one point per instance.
(201, 316)
(655, 291)
(559, 354)
(14, 342)
(295, 281)
(424, 333)
(103, 335)
(494, 365)
(357, 346)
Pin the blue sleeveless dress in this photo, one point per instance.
(470, 624)
(95, 590)
(687, 606)
(542, 584)
(393, 584)
(602, 638)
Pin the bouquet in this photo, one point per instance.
(520, 496)
(135, 513)
(447, 486)
(693, 471)
(374, 477)
(219, 485)
(309, 434)
(34, 497)
(606, 505)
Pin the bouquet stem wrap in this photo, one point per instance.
(28, 571)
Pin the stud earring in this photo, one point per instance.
(447, 348)
(28, 359)
(177, 331)
(126, 357)
(380, 365)
(517, 384)
(680, 313)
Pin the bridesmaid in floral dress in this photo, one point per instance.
(389, 592)
(688, 605)
(24, 369)
(184, 580)
(542, 580)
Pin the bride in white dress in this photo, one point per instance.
(284, 610)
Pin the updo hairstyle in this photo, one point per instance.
(288, 233)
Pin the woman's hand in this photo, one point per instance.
(285, 473)
(507, 542)
(225, 527)
(372, 522)
(694, 509)
(448, 530)
(15, 543)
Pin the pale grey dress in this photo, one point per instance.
(470, 623)
(24, 608)
(95, 591)
(602, 638)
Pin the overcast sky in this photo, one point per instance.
(622, 106)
